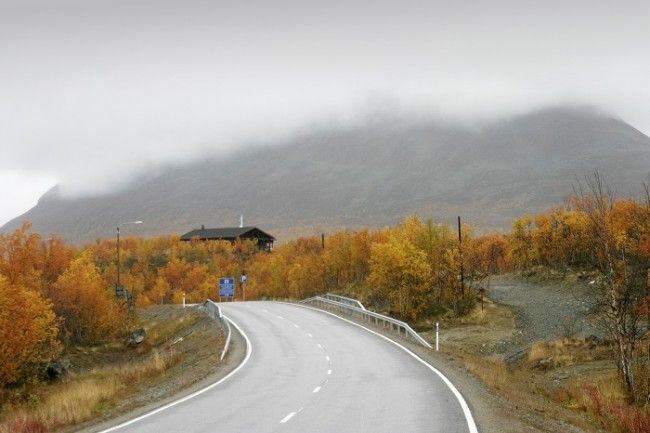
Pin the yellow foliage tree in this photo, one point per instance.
(400, 273)
(28, 333)
(305, 277)
(21, 257)
(89, 310)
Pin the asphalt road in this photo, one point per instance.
(309, 372)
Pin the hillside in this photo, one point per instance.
(372, 174)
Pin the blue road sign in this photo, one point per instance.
(226, 287)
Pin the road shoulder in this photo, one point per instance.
(233, 358)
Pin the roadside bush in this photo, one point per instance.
(615, 415)
(28, 333)
(89, 310)
(466, 303)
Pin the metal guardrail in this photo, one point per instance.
(344, 300)
(367, 315)
(213, 311)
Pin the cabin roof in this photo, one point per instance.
(227, 233)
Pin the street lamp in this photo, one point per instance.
(118, 249)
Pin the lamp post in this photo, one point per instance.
(118, 248)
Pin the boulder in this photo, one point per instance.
(136, 337)
(55, 370)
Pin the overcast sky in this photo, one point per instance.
(93, 91)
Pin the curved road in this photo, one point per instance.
(311, 372)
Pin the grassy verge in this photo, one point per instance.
(106, 380)
(573, 379)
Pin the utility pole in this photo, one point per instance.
(460, 249)
(118, 259)
(322, 240)
(118, 287)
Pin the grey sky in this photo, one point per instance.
(92, 91)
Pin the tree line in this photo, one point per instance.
(53, 296)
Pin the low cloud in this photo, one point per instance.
(93, 93)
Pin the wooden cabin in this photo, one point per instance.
(231, 234)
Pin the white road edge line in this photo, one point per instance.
(471, 424)
(287, 418)
(249, 350)
(227, 345)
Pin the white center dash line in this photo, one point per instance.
(296, 326)
(316, 389)
(329, 372)
(327, 358)
(319, 346)
(310, 336)
(287, 418)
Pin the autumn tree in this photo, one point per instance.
(56, 258)
(87, 307)
(400, 273)
(28, 333)
(521, 242)
(488, 254)
(617, 229)
(267, 275)
(21, 258)
(305, 276)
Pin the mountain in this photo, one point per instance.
(369, 175)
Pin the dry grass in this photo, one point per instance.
(597, 392)
(492, 372)
(154, 365)
(83, 396)
(604, 400)
(70, 403)
(106, 376)
(547, 355)
(161, 331)
(548, 380)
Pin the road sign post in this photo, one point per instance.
(226, 287)
(243, 281)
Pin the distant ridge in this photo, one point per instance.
(370, 175)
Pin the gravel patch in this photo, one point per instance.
(546, 311)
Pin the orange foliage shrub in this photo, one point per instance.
(21, 257)
(88, 308)
(28, 333)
